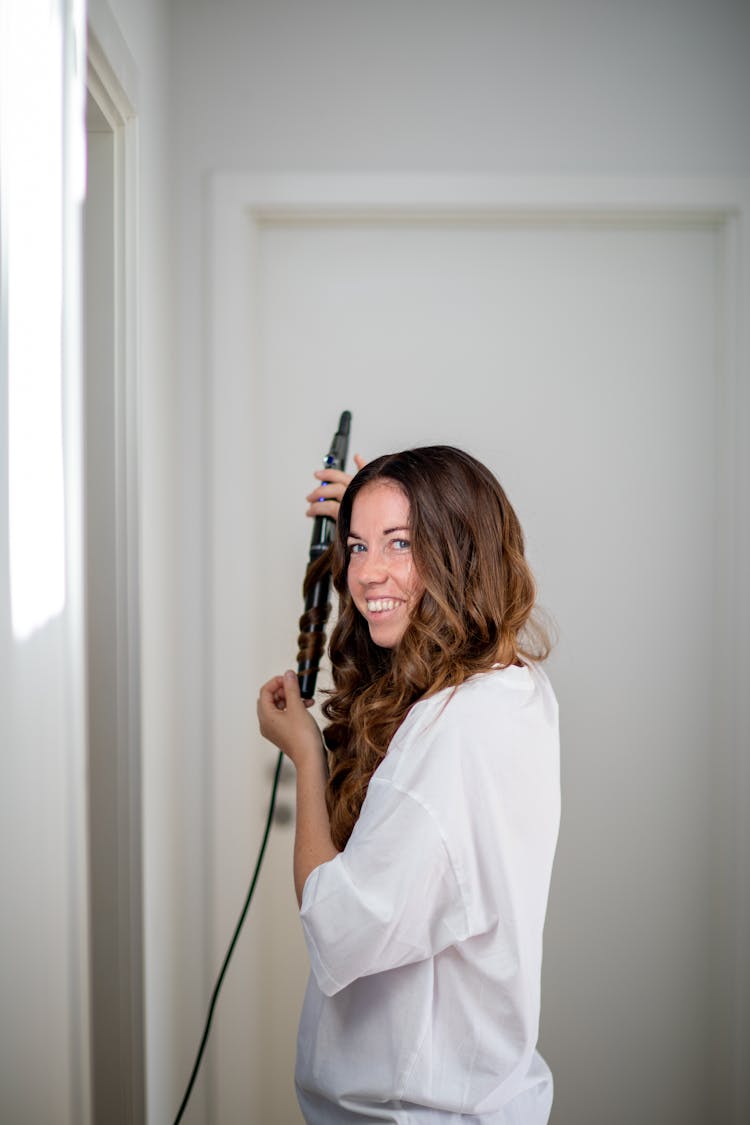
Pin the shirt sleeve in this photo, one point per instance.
(391, 898)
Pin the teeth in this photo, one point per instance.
(381, 604)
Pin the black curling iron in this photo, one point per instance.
(318, 576)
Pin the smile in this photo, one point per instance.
(380, 605)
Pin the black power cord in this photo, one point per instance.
(238, 927)
(316, 604)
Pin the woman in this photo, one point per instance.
(425, 834)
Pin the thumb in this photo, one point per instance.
(291, 689)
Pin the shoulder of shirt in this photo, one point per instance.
(486, 694)
(442, 733)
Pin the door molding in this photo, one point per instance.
(238, 205)
(112, 82)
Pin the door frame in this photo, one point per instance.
(238, 205)
(112, 82)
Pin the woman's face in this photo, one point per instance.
(381, 575)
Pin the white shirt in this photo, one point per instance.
(425, 933)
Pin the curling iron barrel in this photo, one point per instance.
(318, 576)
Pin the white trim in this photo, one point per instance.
(112, 81)
(344, 195)
(108, 55)
(738, 373)
(238, 205)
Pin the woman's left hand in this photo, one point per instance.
(285, 721)
(325, 499)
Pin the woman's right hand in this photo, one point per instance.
(326, 498)
(285, 720)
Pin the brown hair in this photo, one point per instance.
(475, 612)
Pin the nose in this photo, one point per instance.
(372, 569)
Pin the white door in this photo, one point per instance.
(581, 362)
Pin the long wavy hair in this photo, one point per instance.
(475, 612)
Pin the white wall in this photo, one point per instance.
(44, 1025)
(557, 87)
(548, 86)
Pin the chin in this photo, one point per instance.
(386, 639)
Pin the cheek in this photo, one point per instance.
(412, 582)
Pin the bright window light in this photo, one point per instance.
(32, 202)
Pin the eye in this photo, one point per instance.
(355, 548)
(400, 544)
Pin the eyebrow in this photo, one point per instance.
(386, 531)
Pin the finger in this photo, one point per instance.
(326, 492)
(333, 476)
(328, 508)
(291, 689)
(270, 687)
(359, 461)
(269, 696)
